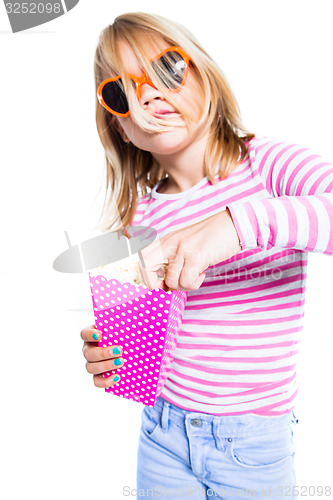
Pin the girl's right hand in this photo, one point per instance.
(101, 359)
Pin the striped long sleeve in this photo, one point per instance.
(238, 344)
(299, 213)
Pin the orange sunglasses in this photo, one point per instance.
(171, 67)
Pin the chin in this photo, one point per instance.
(169, 142)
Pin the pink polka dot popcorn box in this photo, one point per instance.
(144, 322)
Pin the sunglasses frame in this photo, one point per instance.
(144, 78)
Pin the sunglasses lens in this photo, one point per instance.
(114, 96)
(170, 69)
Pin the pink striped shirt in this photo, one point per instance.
(237, 349)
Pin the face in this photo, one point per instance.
(154, 103)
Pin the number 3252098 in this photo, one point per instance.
(33, 8)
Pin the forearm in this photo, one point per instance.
(300, 222)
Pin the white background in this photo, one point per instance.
(62, 437)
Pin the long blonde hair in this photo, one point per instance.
(131, 172)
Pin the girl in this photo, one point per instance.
(236, 216)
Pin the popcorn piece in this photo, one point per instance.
(125, 271)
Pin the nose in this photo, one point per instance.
(147, 94)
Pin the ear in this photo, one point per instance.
(120, 129)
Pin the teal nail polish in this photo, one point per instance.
(116, 378)
(117, 362)
(95, 336)
(115, 350)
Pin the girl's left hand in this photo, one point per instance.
(189, 252)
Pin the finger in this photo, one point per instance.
(94, 353)
(153, 277)
(194, 285)
(101, 381)
(151, 264)
(104, 366)
(152, 254)
(191, 275)
(175, 267)
(91, 334)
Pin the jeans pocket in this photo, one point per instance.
(150, 421)
(266, 449)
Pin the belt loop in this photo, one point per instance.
(165, 416)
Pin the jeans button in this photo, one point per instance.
(196, 422)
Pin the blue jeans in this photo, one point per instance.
(192, 455)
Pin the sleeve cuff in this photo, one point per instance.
(246, 234)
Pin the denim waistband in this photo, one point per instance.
(229, 425)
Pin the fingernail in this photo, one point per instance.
(116, 350)
(116, 378)
(117, 362)
(95, 336)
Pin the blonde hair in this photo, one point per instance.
(131, 172)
